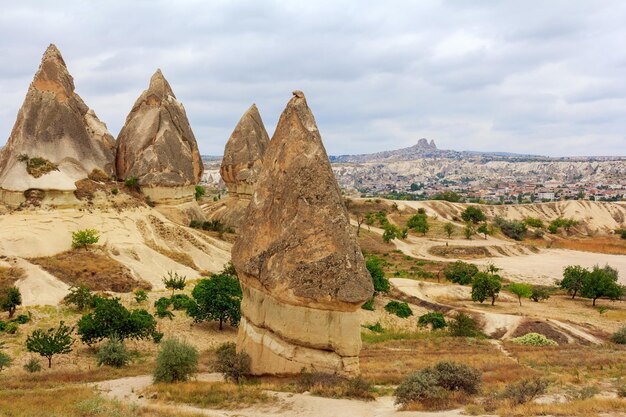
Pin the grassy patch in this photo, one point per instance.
(37, 166)
(460, 252)
(97, 271)
(585, 408)
(9, 276)
(211, 394)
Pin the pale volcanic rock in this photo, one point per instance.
(156, 144)
(300, 266)
(54, 124)
(243, 154)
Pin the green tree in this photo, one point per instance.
(199, 192)
(468, 231)
(602, 282)
(374, 266)
(521, 290)
(539, 293)
(473, 214)
(574, 277)
(484, 229)
(418, 223)
(80, 296)
(111, 319)
(10, 299)
(84, 238)
(174, 282)
(486, 286)
(511, 228)
(449, 229)
(51, 342)
(391, 232)
(216, 298)
(460, 272)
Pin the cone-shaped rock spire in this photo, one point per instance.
(301, 269)
(56, 139)
(243, 154)
(156, 144)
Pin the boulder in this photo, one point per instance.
(301, 269)
(156, 144)
(56, 140)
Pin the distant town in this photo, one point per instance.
(424, 172)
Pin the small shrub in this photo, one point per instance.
(80, 296)
(463, 325)
(3, 325)
(525, 390)
(539, 293)
(234, 366)
(432, 318)
(11, 328)
(177, 361)
(32, 366)
(5, 361)
(419, 386)
(84, 238)
(621, 391)
(38, 166)
(141, 296)
(115, 191)
(398, 308)
(132, 183)
(376, 328)
(534, 339)
(455, 376)
(199, 192)
(534, 222)
(334, 386)
(582, 393)
(368, 305)
(113, 353)
(619, 336)
(22, 318)
(359, 388)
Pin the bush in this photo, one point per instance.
(234, 366)
(463, 325)
(199, 192)
(3, 325)
(460, 272)
(436, 320)
(368, 305)
(619, 336)
(374, 267)
(80, 296)
(473, 214)
(84, 238)
(539, 293)
(511, 228)
(177, 361)
(5, 361)
(10, 299)
(419, 386)
(534, 339)
(132, 183)
(398, 308)
(376, 328)
(534, 222)
(455, 376)
(334, 386)
(32, 366)
(141, 296)
(22, 318)
(113, 353)
(525, 390)
(11, 328)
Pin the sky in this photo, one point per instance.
(537, 77)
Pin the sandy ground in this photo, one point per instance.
(287, 405)
(126, 235)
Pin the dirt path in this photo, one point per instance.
(128, 390)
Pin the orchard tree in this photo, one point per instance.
(51, 342)
(84, 238)
(449, 229)
(484, 229)
(468, 231)
(174, 282)
(574, 277)
(486, 286)
(10, 299)
(521, 290)
(216, 298)
(473, 214)
(460, 272)
(419, 223)
(602, 282)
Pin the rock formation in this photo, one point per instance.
(301, 269)
(243, 154)
(241, 165)
(156, 145)
(56, 140)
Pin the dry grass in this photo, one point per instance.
(178, 257)
(211, 394)
(71, 402)
(573, 363)
(454, 399)
(460, 252)
(390, 362)
(98, 271)
(585, 408)
(9, 276)
(373, 243)
(597, 244)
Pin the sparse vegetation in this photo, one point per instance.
(619, 336)
(79, 296)
(32, 366)
(368, 305)
(463, 325)
(524, 391)
(132, 183)
(37, 166)
(235, 366)
(51, 342)
(334, 386)
(5, 361)
(514, 229)
(176, 361)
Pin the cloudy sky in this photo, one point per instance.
(542, 77)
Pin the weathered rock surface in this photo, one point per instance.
(156, 144)
(243, 153)
(63, 139)
(301, 269)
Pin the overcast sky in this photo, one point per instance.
(542, 77)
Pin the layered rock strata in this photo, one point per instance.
(158, 147)
(56, 140)
(301, 269)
